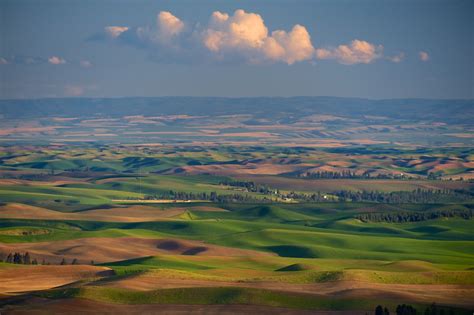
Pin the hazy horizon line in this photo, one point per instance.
(234, 97)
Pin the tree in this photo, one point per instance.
(379, 310)
(433, 309)
(9, 258)
(27, 259)
(17, 258)
(74, 262)
(405, 310)
(63, 262)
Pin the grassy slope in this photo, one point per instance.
(286, 232)
(97, 191)
(221, 295)
(338, 249)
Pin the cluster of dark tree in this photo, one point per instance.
(266, 190)
(415, 196)
(212, 196)
(250, 187)
(439, 176)
(22, 259)
(35, 177)
(398, 197)
(434, 176)
(78, 173)
(25, 259)
(348, 174)
(380, 310)
(405, 309)
(412, 216)
(242, 198)
(315, 197)
(64, 262)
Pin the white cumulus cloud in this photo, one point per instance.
(289, 47)
(240, 34)
(164, 33)
(241, 31)
(169, 25)
(55, 60)
(397, 58)
(115, 31)
(424, 56)
(246, 33)
(357, 51)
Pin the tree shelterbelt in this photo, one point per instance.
(412, 216)
(25, 259)
(348, 174)
(417, 196)
(19, 258)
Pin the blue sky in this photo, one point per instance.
(373, 49)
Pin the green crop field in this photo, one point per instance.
(176, 226)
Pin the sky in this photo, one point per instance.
(369, 48)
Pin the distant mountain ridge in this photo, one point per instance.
(272, 108)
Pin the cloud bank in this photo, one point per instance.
(242, 35)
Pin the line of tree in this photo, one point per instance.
(415, 196)
(311, 197)
(25, 259)
(250, 186)
(406, 309)
(34, 177)
(380, 310)
(211, 196)
(348, 174)
(64, 262)
(242, 198)
(412, 216)
(22, 259)
(398, 197)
